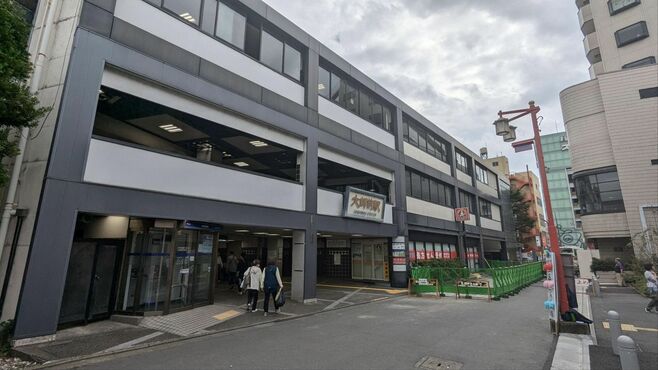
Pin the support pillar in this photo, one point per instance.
(304, 266)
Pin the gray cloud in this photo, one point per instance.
(457, 62)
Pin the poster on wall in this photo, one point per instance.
(364, 205)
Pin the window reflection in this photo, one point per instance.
(271, 51)
(599, 193)
(189, 10)
(231, 26)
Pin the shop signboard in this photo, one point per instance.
(363, 205)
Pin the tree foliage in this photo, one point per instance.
(522, 221)
(18, 108)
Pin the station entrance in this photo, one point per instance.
(364, 259)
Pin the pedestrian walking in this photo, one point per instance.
(242, 267)
(232, 269)
(619, 270)
(271, 284)
(252, 280)
(652, 287)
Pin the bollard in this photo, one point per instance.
(615, 330)
(596, 287)
(628, 353)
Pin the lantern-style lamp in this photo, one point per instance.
(502, 126)
(510, 135)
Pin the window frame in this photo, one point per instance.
(486, 209)
(439, 145)
(623, 8)
(642, 24)
(640, 63)
(443, 190)
(466, 169)
(481, 174)
(374, 99)
(589, 193)
(257, 25)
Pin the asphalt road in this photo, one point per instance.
(389, 334)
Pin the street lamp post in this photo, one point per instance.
(509, 134)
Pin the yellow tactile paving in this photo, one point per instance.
(630, 327)
(226, 315)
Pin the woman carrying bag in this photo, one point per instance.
(252, 282)
(271, 283)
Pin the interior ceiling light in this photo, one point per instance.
(241, 164)
(242, 231)
(357, 235)
(171, 128)
(188, 17)
(321, 86)
(258, 143)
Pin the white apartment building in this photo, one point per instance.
(612, 124)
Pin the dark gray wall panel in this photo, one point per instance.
(230, 81)
(96, 19)
(104, 4)
(354, 226)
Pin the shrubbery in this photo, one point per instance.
(602, 265)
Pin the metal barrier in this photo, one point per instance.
(503, 280)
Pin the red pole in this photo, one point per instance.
(552, 230)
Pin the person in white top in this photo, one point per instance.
(652, 286)
(251, 282)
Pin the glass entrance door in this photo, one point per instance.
(183, 269)
(155, 269)
(90, 281)
(203, 267)
(370, 259)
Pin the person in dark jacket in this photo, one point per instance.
(271, 284)
(619, 272)
(242, 267)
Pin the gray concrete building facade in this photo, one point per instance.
(184, 131)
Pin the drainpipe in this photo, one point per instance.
(42, 46)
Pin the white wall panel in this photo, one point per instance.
(124, 166)
(152, 92)
(490, 224)
(464, 177)
(486, 188)
(425, 158)
(164, 26)
(354, 163)
(354, 122)
(421, 207)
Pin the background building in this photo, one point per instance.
(611, 122)
(186, 130)
(500, 164)
(529, 185)
(561, 189)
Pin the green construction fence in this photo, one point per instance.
(503, 280)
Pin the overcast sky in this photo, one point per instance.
(458, 62)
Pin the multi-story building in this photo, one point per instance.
(612, 125)
(561, 189)
(500, 164)
(529, 185)
(184, 130)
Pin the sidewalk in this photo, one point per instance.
(637, 324)
(227, 313)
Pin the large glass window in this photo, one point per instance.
(485, 209)
(271, 51)
(231, 26)
(189, 10)
(252, 40)
(155, 127)
(618, 6)
(356, 99)
(639, 63)
(467, 200)
(423, 139)
(462, 163)
(481, 175)
(208, 16)
(335, 176)
(324, 81)
(292, 63)
(428, 189)
(632, 33)
(599, 193)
